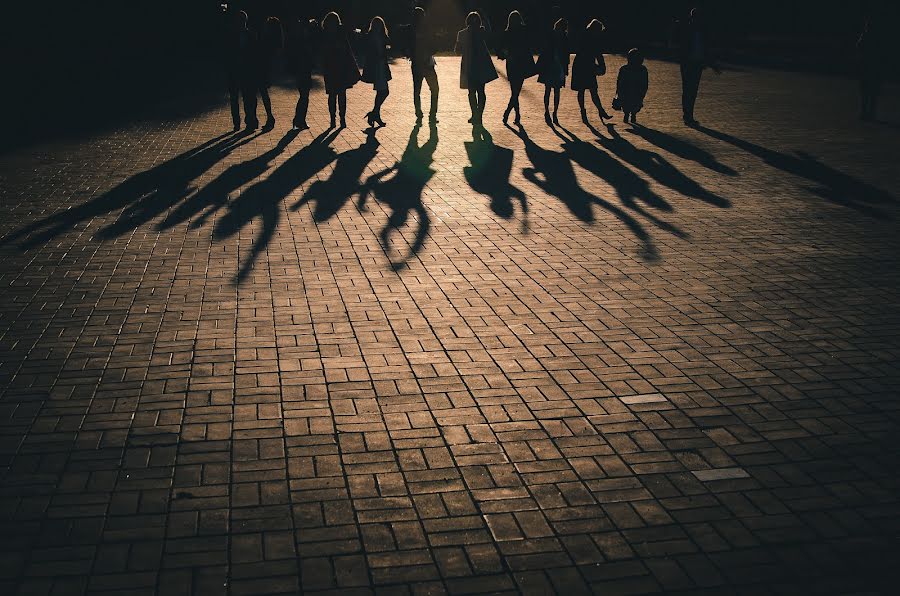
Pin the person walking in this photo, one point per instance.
(631, 85)
(271, 42)
(694, 55)
(240, 49)
(376, 69)
(517, 50)
(421, 53)
(339, 66)
(553, 67)
(587, 65)
(301, 48)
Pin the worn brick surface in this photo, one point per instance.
(615, 360)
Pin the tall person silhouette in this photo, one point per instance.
(872, 64)
(553, 66)
(377, 71)
(517, 50)
(270, 43)
(338, 66)
(301, 48)
(420, 47)
(476, 68)
(240, 50)
(587, 65)
(694, 55)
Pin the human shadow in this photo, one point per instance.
(682, 149)
(402, 193)
(140, 197)
(633, 191)
(215, 195)
(828, 183)
(552, 172)
(658, 168)
(332, 194)
(263, 199)
(488, 173)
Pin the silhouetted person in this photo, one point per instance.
(270, 43)
(553, 67)
(240, 51)
(519, 61)
(631, 85)
(301, 51)
(476, 68)
(871, 66)
(376, 70)
(339, 66)
(694, 54)
(419, 45)
(589, 63)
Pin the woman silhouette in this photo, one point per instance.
(301, 56)
(376, 70)
(477, 68)
(271, 42)
(339, 66)
(589, 63)
(519, 61)
(553, 67)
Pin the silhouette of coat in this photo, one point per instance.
(339, 67)
(376, 69)
(517, 50)
(553, 62)
(588, 62)
(477, 68)
(631, 87)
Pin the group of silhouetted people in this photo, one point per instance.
(335, 48)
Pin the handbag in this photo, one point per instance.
(616, 103)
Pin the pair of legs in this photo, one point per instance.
(238, 90)
(630, 115)
(267, 103)
(428, 75)
(555, 90)
(869, 89)
(302, 108)
(595, 97)
(690, 87)
(374, 117)
(515, 88)
(477, 102)
(338, 99)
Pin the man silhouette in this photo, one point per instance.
(240, 50)
(421, 53)
(694, 54)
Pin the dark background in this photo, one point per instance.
(76, 66)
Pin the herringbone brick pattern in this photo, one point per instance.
(618, 360)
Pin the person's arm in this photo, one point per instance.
(457, 48)
(645, 81)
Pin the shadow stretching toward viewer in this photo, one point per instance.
(552, 172)
(263, 200)
(830, 184)
(402, 193)
(140, 197)
(488, 173)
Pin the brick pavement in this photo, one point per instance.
(619, 360)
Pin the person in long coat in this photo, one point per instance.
(376, 70)
(301, 50)
(587, 65)
(553, 66)
(339, 67)
(871, 68)
(632, 84)
(517, 49)
(477, 68)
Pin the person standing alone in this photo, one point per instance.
(694, 54)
